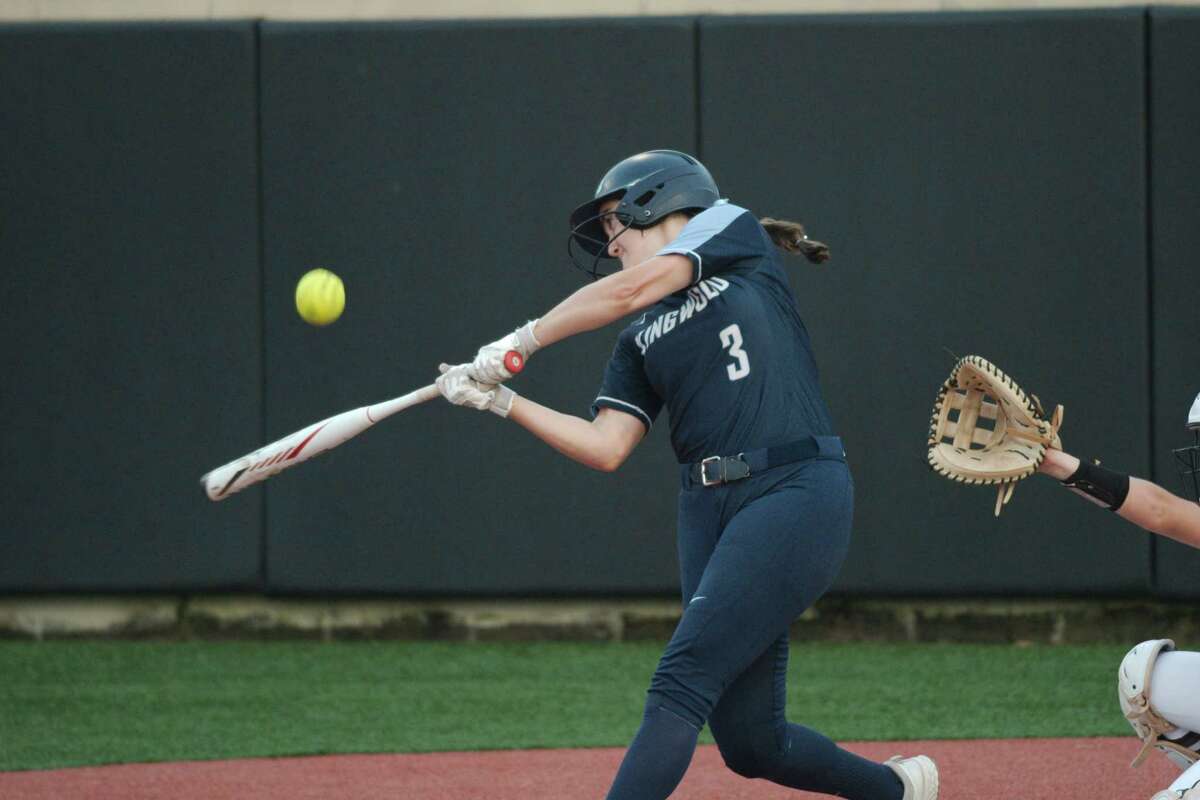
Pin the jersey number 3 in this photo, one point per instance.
(731, 338)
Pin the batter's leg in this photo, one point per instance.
(757, 741)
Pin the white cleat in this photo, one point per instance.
(919, 775)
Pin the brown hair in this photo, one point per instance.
(790, 237)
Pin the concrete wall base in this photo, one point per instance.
(842, 619)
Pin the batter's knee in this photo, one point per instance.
(683, 699)
(686, 685)
(752, 751)
(747, 757)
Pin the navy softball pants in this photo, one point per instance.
(753, 555)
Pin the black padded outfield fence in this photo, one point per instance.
(1018, 185)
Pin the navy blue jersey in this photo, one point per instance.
(728, 356)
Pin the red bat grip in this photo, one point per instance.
(514, 362)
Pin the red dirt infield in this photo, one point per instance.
(1005, 769)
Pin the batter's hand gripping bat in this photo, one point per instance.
(325, 435)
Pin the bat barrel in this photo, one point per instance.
(304, 444)
(259, 465)
(218, 484)
(286, 452)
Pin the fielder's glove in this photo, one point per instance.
(457, 386)
(986, 430)
(488, 366)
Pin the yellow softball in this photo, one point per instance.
(320, 297)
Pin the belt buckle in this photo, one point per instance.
(704, 481)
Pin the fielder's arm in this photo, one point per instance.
(602, 444)
(1146, 504)
(615, 296)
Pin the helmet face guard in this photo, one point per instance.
(647, 187)
(1187, 462)
(587, 246)
(1187, 459)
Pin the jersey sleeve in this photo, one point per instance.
(625, 387)
(719, 239)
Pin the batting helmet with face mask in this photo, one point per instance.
(648, 187)
(1187, 459)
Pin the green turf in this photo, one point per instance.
(74, 703)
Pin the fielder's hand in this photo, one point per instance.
(457, 386)
(488, 366)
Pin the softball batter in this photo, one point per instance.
(766, 497)
(1158, 687)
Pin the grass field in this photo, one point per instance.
(76, 703)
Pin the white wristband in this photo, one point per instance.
(503, 401)
(529, 343)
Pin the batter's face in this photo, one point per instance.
(632, 246)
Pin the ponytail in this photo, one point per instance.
(790, 237)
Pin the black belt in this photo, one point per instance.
(715, 470)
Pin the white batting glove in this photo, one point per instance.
(457, 386)
(488, 366)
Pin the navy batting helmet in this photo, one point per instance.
(648, 187)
